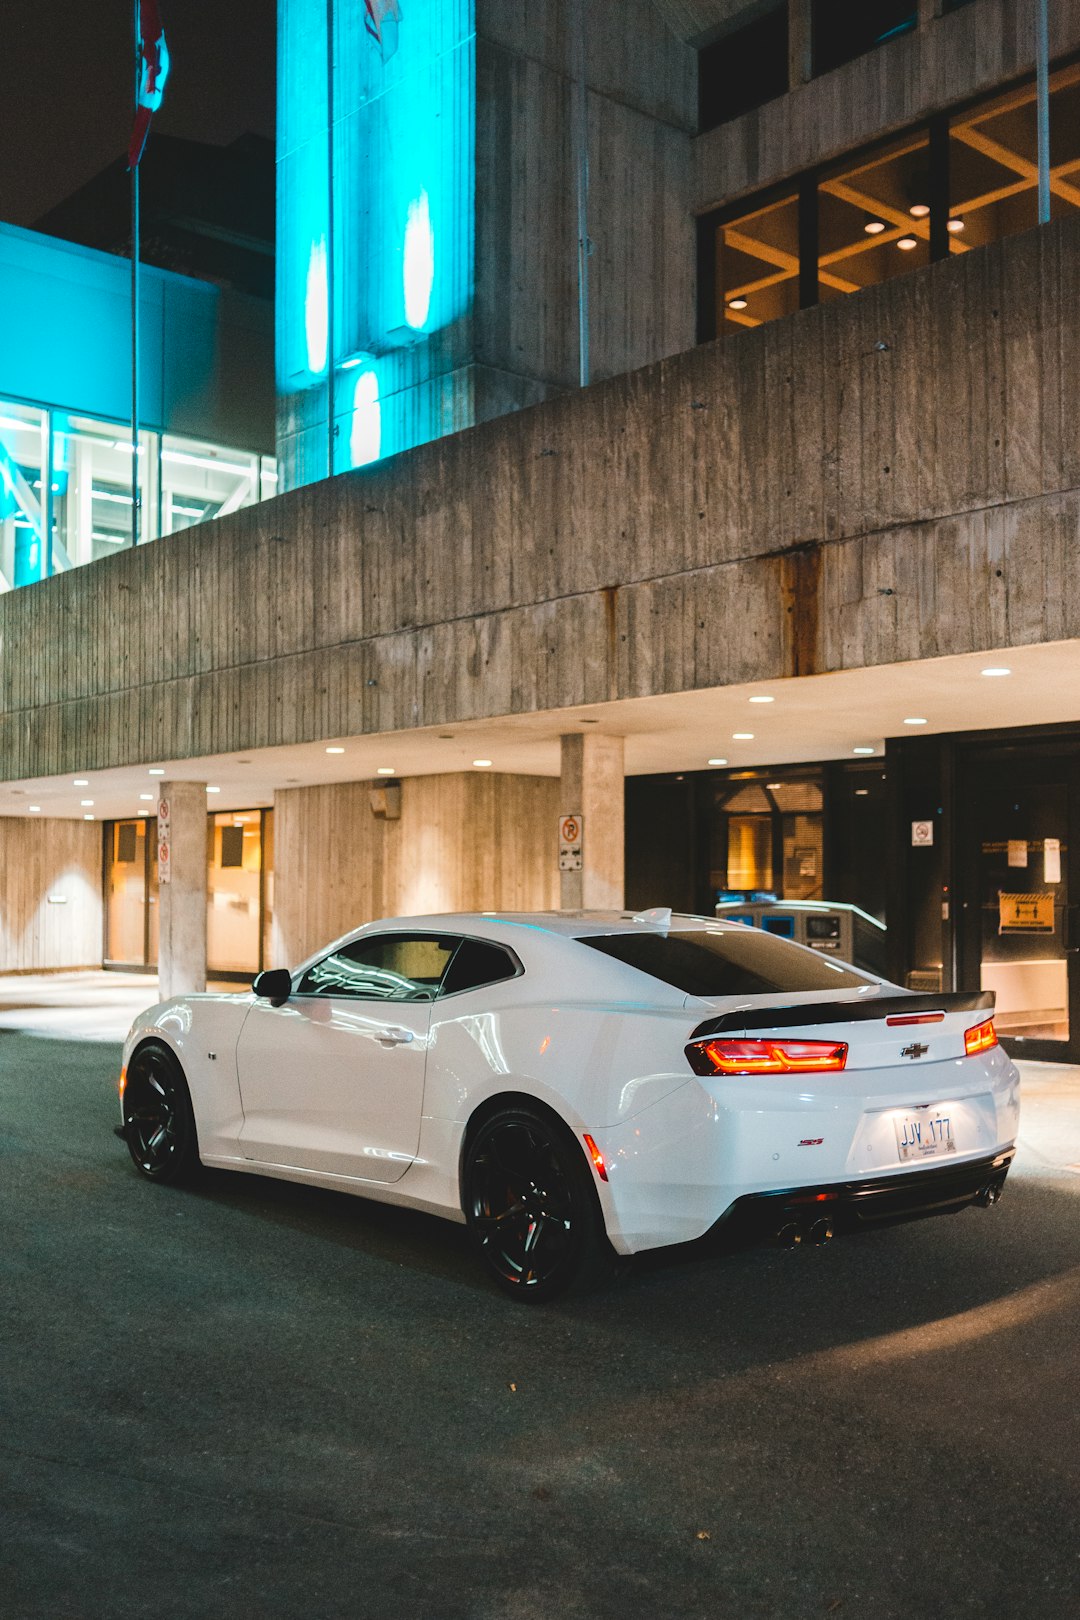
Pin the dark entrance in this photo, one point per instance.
(1018, 931)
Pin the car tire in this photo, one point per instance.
(532, 1209)
(159, 1124)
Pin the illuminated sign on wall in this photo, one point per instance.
(383, 268)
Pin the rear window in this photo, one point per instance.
(737, 962)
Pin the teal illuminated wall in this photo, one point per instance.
(375, 282)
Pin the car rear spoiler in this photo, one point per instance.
(846, 1012)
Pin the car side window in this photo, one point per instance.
(477, 963)
(384, 967)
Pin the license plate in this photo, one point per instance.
(925, 1133)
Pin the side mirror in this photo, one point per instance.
(274, 986)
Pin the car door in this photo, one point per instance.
(333, 1079)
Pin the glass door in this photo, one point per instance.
(1019, 929)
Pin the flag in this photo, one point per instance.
(153, 70)
(381, 21)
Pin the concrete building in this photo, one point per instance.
(781, 601)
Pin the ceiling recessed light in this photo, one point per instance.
(150, 796)
(915, 720)
(81, 781)
(955, 226)
(155, 770)
(717, 761)
(762, 697)
(743, 736)
(997, 669)
(906, 243)
(736, 303)
(864, 750)
(213, 790)
(88, 818)
(874, 227)
(481, 764)
(386, 770)
(34, 809)
(919, 210)
(335, 750)
(85, 802)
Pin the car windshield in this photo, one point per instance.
(730, 962)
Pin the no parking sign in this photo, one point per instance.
(571, 830)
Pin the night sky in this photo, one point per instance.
(66, 87)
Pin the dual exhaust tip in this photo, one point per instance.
(794, 1233)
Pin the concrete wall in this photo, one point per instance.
(890, 476)
(50, 894)
(463, 843)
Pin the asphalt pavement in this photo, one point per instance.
(249, 1399)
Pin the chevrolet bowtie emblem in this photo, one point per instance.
(915, 1050)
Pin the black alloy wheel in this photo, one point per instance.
(159, 1126)
(532, 1209)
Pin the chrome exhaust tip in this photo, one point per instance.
(987, 1197)
(790, 1235)
(821, 1232)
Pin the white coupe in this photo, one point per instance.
(576, 1086)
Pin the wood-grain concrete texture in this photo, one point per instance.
(50, 894)
(890, 476)
(944, 62)
(464, 842)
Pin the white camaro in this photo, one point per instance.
(574, 1086)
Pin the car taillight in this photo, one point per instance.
(980, 1038)
(766, 1057)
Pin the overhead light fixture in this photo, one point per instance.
(860, 793)
(80, 781)
(211, 463)
(906, 243)
(864, 750)
(213, 790)
(743, 736)
(34, 809)
(335, 750)
(481, 764)
(386, 770)
(736, 303)
(874, 227)
(156, 770)
(996, 669)
(915, 720)
(88, 818)
(919, 210)
(717, 762)
(150, 796)
(762, 697)
(85, 802)
(955, 225)
(774, 787)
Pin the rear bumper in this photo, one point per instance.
(878, 1201)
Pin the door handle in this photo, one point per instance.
(395, 1036)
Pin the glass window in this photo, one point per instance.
(477, 963)
(757, 264)
(234, 883)
(844, 29)
(125, 901)
(993, 162)
(388, 967)
(874, 217)
(735, 962)
(24, 461)
(201, 481)
(91, 483)
(744, 69)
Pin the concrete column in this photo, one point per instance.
(799, 43)
(182, 899)
(592, 788)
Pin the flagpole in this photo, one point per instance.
(135, 314)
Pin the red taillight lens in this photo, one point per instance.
(723, 1056)
(980, 1038)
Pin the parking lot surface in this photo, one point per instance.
(246, 1398)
